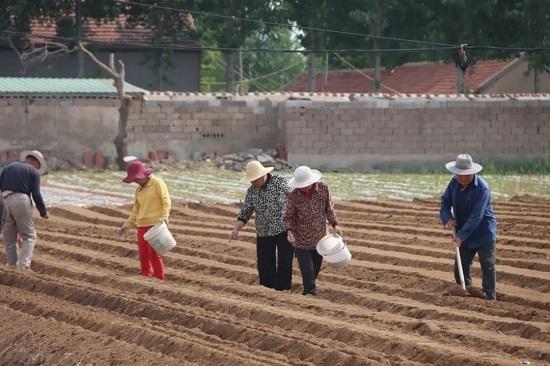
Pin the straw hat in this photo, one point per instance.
(304, 176)
(136, 170)
(254, 170)
(463, 165)
(38, 156)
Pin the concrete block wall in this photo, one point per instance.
(382, 134)
(335, 131)
(191, 127)
(65, 128)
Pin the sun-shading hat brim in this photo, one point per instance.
(313, 178)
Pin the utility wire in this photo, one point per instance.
(363, 74)
(172, 46)
(294, 26)
(262, 76)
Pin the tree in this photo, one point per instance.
(169, 25)
(118, 76)
(263, 71)
(535, 18)
(232, 32)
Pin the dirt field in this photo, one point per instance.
(86, 304)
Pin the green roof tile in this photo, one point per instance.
(28, 85)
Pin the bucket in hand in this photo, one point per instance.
(334, 250)
(160, 238)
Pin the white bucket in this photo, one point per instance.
(334, 250)
(160, 238)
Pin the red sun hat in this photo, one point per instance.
(136, 170)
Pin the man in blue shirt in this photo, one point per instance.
(466, 208)
(19, 186)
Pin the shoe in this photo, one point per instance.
(310, 293)
(23, 268)
(489, 297)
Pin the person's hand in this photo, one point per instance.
(46, 216)
(449, 224)
(456, 240)
(121, 230)
(338, 230)
(290, 237)
(234, 235)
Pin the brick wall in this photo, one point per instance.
(382, 133)
(191, 126)
(337, 131)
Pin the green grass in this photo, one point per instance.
(225, 186)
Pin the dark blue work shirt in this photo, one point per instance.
(23, 178)
(476, 224)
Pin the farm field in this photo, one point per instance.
(222, 186)
(85, 302)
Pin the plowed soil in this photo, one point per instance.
(85, 302)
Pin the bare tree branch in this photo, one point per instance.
(111, 71)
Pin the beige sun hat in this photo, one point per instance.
(254, 170)
(304, 176)
(38, 156)
(464, 165)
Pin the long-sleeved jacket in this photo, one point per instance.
(21, 177)
(472, 210)
(269, 203)
(151, 204)
(307, 217)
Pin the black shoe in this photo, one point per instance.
(312, 293)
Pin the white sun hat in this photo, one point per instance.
(129, 158)
(38, 156)
(464, 165)
(254, 170)
(304, 176)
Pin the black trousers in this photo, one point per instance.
(275, 271)
(487, 258)
(310, 265)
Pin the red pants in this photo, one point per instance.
(150, 261)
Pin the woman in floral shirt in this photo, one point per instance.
(308, 209)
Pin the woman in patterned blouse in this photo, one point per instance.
(308, 209)
(267, 196)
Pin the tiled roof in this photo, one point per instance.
(62, 86)
(105, 31)
(423, 78)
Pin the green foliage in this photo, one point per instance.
(261, 71)
(507, 23)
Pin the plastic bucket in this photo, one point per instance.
(334, 250)
(340, 258)
(329, 244)
(160, 238)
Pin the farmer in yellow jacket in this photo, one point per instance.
(151, 206)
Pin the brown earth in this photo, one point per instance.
(86, 304)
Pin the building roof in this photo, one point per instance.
(108, 31)
(421, 78)
(10, 86)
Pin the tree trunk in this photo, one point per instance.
(119, 76)
(230, 72)
(459, 80)
(120, 141)
(78, 22)
(377, 56)
(311, 72)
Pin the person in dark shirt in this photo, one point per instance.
(267, 197)
(472, 220)
(20, 186)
